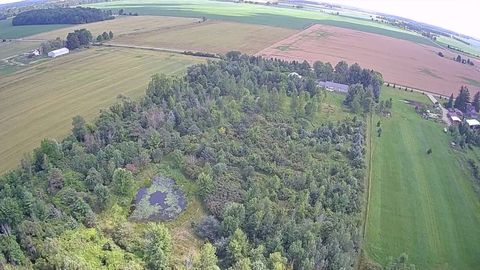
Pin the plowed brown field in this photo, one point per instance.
(402, 62)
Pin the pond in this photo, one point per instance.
(162, 201)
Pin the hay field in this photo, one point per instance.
(210, 36)
(401, 62)
(420, 204)
(40, 101)
(119, 26)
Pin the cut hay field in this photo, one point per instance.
(423, 205)
(400, 61)
(7, 31)
(120, 26)
(210, 36)
(40, 101)
(284, 17)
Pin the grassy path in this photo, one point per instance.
(420, 204)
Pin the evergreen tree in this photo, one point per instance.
(450, 102)
(476, 101)
(462, 99)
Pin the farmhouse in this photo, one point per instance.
(473, 123)
(331, 86)
(58, 52)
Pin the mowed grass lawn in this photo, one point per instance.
(423, 205)
(11, 48)
(40, 101)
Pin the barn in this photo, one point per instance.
(331, 86)
(59, 52)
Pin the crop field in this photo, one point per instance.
(40, 101)
(471, 49)
(210, 36)
(257, 14)
(420, 204)
(121, 26)
(399, 61)
(7, 31)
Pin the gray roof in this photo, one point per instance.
(334, 86)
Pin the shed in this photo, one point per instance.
(332, 86)
(455, 119)
(59, 52)
(473, 123)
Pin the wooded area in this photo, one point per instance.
(282, 187)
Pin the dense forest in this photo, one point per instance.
(76, 15)
(283, 189)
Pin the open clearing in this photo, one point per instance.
(292, 18)
(423, 205)
(399, 61)
(120, 26)
(210, 36)
(40, 101)
(8, 31)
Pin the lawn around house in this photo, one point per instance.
(422, 205)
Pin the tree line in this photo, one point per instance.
(283, 189)
(78, 15)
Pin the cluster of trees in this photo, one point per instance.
(283, 190)
(365, 84)
(463, 101)
(123, 12)
(51, 45)
(462, 60)
(78, 38)
(78, 15)
(105, 36)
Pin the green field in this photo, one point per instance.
(258, 14)
(40, 101)
(8, 31)
(423, 205)
(470, 49)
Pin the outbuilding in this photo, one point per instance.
(59, 52)
(455, 119)
(332, 86)
(473, 123)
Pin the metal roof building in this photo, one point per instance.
(332, 86)
(58, 52)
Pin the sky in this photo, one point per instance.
(458, 15)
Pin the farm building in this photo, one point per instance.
(331, 86)
(59, 52)
(473, 123)
(455, 119)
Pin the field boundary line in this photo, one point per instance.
(158, 49)
(368, 181)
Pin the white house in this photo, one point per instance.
(59, 52)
